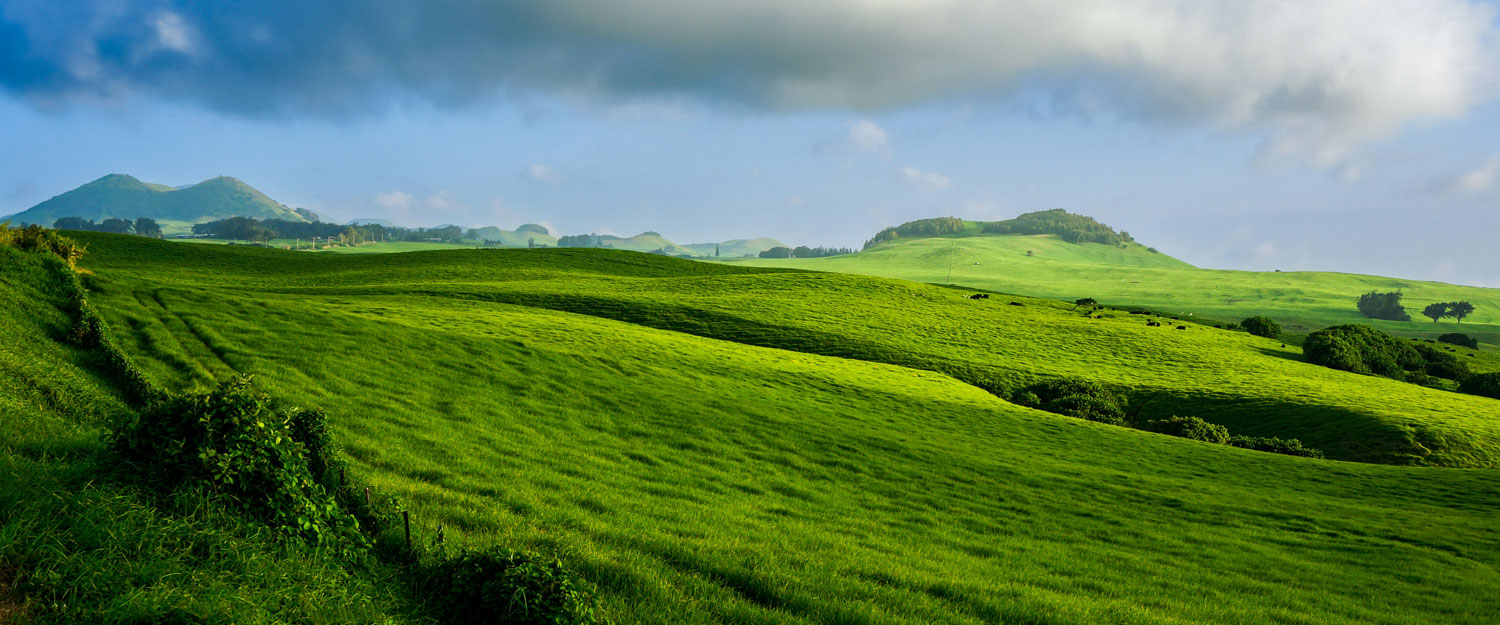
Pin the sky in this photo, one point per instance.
(1339, 135)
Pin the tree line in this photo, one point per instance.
(143, 226)
(1067, 226)
(249, 229)
(803, 251)
(1387, 306)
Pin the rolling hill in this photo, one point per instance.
(124, 197)
(718, 444)
(1046, 266)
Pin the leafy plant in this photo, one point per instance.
(1262, 326)
(1482, 384)
(506, 586)
(1073, 397)
(1285, 446)
(1189, 427)
(237, 442)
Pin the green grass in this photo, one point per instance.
(1302, 301)
(614, 407)
(81, 543)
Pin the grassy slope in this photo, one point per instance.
(77, 546)
(706, 481)
(1302, 301)
(1255, 386)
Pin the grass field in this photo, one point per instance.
(615, 407)
(1302, 301)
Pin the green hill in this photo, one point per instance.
(652, 242)
(717, 444)
(733, 248)
(520, 237)
(124, 197)
(1046, 266)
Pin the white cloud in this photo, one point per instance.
(444, 202)
(928, 180)
(543, 174)
(393, 200)
(173, 33)
(869, 136)
(1479, 180)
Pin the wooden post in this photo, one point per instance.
(367, 495)
(406, 520)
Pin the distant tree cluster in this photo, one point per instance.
(248, 229)
(1069, 227)
(936, 226)
(143, 226)
(581, 240)
(1457, 310)
(1362, 349)
(1385, 306)
(803, 251)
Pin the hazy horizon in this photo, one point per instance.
(1336, 137)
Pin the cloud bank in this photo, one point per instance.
(1322, 76)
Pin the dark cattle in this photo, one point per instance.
(1181, 327)
(1283, 345)
(977, 296)
(1016, 304)
(1152, 324)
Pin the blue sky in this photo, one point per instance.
(1341, 135)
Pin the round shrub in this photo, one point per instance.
(1441, 364)
(1482, 384)
(1190, 427)
(1362, 349)
(1072, 397)
(1262, 326)
(505, 586)
(1460, 339)
(238, 443)
(1286, 446)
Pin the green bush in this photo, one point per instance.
(1287, 446)
(1361, 349)
(1262, 326)
(1190, 427)
(505, 586)
(35, 238)
(1438, 363)
(238, 443)
(1460, 339)
(1482, 384)
(1074, 398)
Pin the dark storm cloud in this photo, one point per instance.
(1322, 75)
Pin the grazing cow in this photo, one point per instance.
(1152, 324)
(1016, 304)
(1181, 327)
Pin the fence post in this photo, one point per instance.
(367, 495)
(406, 520)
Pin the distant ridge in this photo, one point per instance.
(122, 196)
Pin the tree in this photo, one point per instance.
(116, 225)
(147, 227)
(1262, 326)
(777, 252)
(73, 223)
(1436, 310)
(1459, 310)
(530, 241)
(1085, 301)
(1383, 306)
(716, 250)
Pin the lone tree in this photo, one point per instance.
(1262, 326)
(1084, 301)
(1459, 310)
(1436, 311)
(1383, 306)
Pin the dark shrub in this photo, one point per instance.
(238, 443)
(1439, 363)
(504, 586)
(1383, 306)
(1362, 349)
(1190, 427)
(1287, 446)
(1262, 326)
(1075, 398)
(1460, 339)
(1483, 384)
